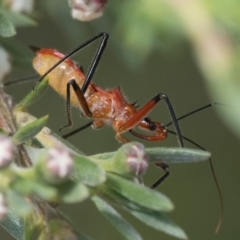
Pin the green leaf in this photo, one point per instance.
(139, 194)
(30, 130)
(6, 27)
(71, 192)
(46, 138)
(87, 171)
(176, 155)
(153, 219)
(112, 196)
(33, 96)
(116, 219)
(14, 224)
(158, 221)
(167, 155)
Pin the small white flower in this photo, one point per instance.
(5, 65)
(6, 151)
(25, 6)
(60, 162)
(86, 10)
(3, 206)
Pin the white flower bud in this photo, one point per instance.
(86, 10)
(3, 207)
(59, 162)
(6, 151)
(137, 159)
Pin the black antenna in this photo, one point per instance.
(194, 111)
(21, 80)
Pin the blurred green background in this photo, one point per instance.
(143, 61)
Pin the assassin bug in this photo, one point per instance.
(106, 106)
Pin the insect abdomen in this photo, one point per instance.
(61, 75)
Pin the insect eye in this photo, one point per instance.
(147, 119)
(152, 126)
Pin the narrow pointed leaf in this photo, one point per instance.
(46, 137)
(151, 218)
(30, 130)
(167, 155)
(160, 222)
(139, 194)
(33, 96)
(14, 224)
(176, 155)
(114, 197)
(87, 171)
(116, 219)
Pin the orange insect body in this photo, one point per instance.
(107, 106)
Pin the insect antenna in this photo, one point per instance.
(21, 80)
(194, 111)
(214, 176)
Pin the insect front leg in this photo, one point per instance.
(139, 117)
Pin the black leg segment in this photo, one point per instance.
(173, 116)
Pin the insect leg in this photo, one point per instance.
(162, 134)
(160, 180)
(142, 112)
(77, 130)
(81, 99)
(95, 61)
